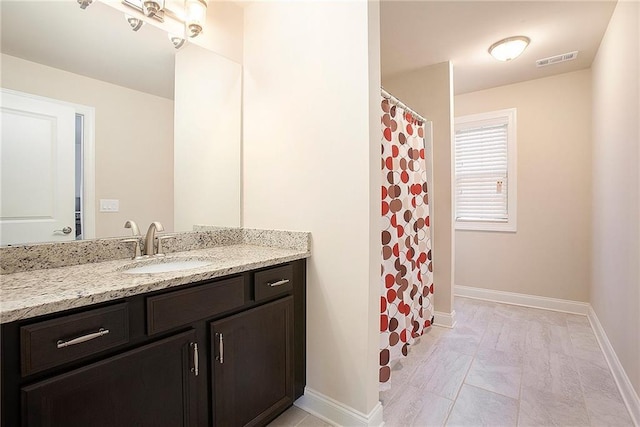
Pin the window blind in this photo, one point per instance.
(481, 173)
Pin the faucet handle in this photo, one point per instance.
(137, 253)
(133, 226)
(160, 247)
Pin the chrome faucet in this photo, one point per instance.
(151, 237)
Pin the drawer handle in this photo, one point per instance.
(278, 283)
(84, 338)
(196, 364)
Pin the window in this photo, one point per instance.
(485, 171)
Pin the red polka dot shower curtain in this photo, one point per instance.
(406, 304)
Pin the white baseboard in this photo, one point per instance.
(337, 413)
(513, 298)
(627, 391)
(446, 320)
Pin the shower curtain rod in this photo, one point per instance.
(400, 104)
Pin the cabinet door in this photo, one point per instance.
(154, 385)
(253, 366)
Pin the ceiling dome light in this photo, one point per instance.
(509, 48)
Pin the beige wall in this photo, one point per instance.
(133, 141)
(429, 91)
(311, 159)
(207, 139)
(615, 285)
(550, 252)
(224, 31)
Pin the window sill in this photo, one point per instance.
(507, 227)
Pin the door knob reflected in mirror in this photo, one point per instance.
(66, 230)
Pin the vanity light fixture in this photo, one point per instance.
(84, 3)
(196, 15)
(151, 7)
(176, 41)
(134, 22)
(191, 14)
(509, 48)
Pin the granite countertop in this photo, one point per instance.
(33, 293)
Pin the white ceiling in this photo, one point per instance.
(97, 42)
(415, 34)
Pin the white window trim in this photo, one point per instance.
(483, 119)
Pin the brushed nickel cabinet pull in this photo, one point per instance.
(221, 342)
(278, 283)
(84, 338)
(196, 362)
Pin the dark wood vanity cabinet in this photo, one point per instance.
(153, 385)
(253, 364)
(224, 352)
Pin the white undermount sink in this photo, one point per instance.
(166, 266)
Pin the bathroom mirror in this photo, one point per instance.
(152, 150)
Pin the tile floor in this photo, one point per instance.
(502, 365)
(297, 417)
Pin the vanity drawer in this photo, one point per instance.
(51, 343)
(178, 308)
(272, 282)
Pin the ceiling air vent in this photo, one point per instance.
(557, 59)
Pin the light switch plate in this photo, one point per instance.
(109, 205)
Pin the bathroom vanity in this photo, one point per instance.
(221, 345)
